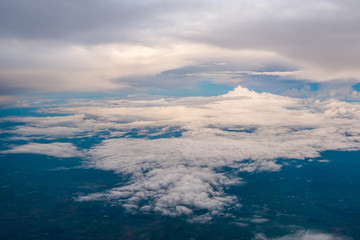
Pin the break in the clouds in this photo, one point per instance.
(126, 46)
(180, 155)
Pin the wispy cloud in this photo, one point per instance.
(55, 149)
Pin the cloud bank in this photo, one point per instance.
(180, 155)
(62, 46)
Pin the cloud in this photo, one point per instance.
(68, 19)
(174, 151)
(70, 126)
(309, 235)
(38, 66)
(60, 46)
(43, 127)
(298, 30)
(48, 131)
(56, 149)
(242, 130)
(174, 190)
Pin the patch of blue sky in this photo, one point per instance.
(356, 87)
(27, 112)
(30, 104)
(278, 84)
(275, 67)
(313, 87)
(240, 129)
(208, 78)
(155, 133)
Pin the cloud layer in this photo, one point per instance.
(181, 154)
(62, 46)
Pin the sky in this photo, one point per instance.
(161, 47)
(181, 97)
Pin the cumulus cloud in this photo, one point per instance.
(243, 130)
(56, 149)
(173, 190)
(173, 151)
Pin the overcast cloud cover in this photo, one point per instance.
(125, 45)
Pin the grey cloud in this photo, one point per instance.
(59, 20)
(87, 21)
(323, 34)
(319, 38)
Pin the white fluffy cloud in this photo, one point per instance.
(173, 190)
(56, 149)
(182, 173)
